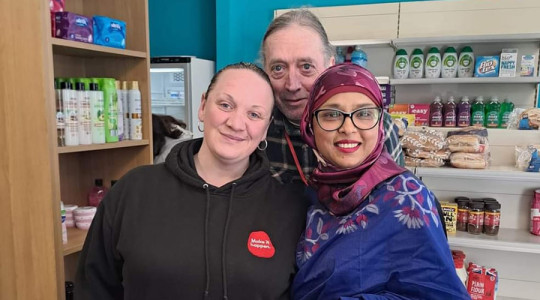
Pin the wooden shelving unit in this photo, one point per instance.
(38, 173)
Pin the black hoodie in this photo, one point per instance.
(163, 233)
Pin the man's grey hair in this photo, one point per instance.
(302, 17)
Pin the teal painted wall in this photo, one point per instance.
(185, 27)
(225, 31)
(241, 24)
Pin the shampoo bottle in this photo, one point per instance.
(433, 63)
(97, 114)
(416, 64)
(466, 62)
(83, 109)
(401, 64)
(69, 100)
(449, 63)
(135, 111)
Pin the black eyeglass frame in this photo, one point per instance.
(347, 115)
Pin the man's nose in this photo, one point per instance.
(293, 82)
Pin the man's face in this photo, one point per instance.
(294, 57)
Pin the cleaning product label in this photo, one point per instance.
(508, 63)
(527, 66)
(487, 66)
(449, 66)
(417, 67)
(465, 67)
(433, 66)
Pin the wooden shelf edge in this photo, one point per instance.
(68, 47)
(97, 147)
(512, 240)
(76, 238)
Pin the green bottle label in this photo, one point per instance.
(401, 63)
(433, 61)
(465, 61)
(449, 61)
(477, 118)
(416, 62)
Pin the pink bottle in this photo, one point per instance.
(464, 112)
(449, 112)
(97, 193)
(436, 113)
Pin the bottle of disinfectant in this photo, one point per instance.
(401, 64)
(433, 63)
(449, 111)
(436, 113)
(416, 64)
(449, 63)
(506, 108)
(464, 112)
(493, 110)
(477, 112)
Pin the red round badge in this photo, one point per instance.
(260, 245)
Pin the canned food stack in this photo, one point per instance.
(84, 216)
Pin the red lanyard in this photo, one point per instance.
(302, 176)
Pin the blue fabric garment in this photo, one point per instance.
(390, 247)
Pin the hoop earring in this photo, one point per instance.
(199, 123)
(265, 145)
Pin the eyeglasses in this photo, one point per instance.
(362, 118)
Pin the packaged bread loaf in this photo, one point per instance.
(533, 116)
(426, 140)
(466, 143)
(464, 160)
(417, 153)
(421, 162)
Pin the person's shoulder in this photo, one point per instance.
(293, 193)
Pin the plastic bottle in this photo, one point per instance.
(506, 108)
(110, 101)
(83, 110)
(466, 63)
(64, 228)
(359, 57)
(97, 193)
(120, 109)
(449, 63)
(125, 108)
(97, 114)
(69, 99)
(464, 112)
(60, 120)
(449, 113)
(436, 113)
(493, 110)
(477, 112)
(416, 64)
(401, 64)
(340, 58)
(433, 63)
(135, 117)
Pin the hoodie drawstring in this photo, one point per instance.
(206, 263)
(223, 246)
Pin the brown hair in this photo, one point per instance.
(238, 66)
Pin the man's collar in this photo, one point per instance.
(281, 121)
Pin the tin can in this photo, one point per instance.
(535, 213)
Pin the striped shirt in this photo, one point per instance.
(282, 163)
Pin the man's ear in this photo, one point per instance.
(202, 107)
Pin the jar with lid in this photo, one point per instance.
(476, 217)
(463, 214)
(492, 217)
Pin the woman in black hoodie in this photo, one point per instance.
(209, 223)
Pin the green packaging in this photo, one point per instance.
(110, 99)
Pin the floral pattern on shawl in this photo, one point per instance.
(411, 203)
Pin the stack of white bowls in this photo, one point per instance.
(83, 216)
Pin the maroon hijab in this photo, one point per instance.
(342, 190)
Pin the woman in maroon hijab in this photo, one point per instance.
(375, 232)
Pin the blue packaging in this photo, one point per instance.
(109, 32)
(486, 66)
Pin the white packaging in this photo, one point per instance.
(97, 108)
(64, 229)
(69, 99)
(120, 112)
(83, 110)
(508, 63)
(135, 111)
(125, 107)
(527, 66)
(449, 63)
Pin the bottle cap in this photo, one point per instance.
(124, 85)
(66, 85)
(417, 51)
(493, 205)
(79, 86)
(450, 50)
(465, 99)
(476, 204)
(134, 85)
(462, 198)
(117, 84)
(433, 50)
(358, 47)
(466, 49)
(94, 86)
(401, 52)
(99, 182)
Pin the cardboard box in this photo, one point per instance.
(486, 66)
(528, 68)
(450, 215)
(421, 114)
(508, 63)
(402, 109)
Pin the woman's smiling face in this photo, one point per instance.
(348, 146)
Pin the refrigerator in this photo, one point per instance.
(177, 84)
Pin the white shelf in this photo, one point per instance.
(444, 40)
(513, 240)
(362, 42)
(500, 173)
(469, 80)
